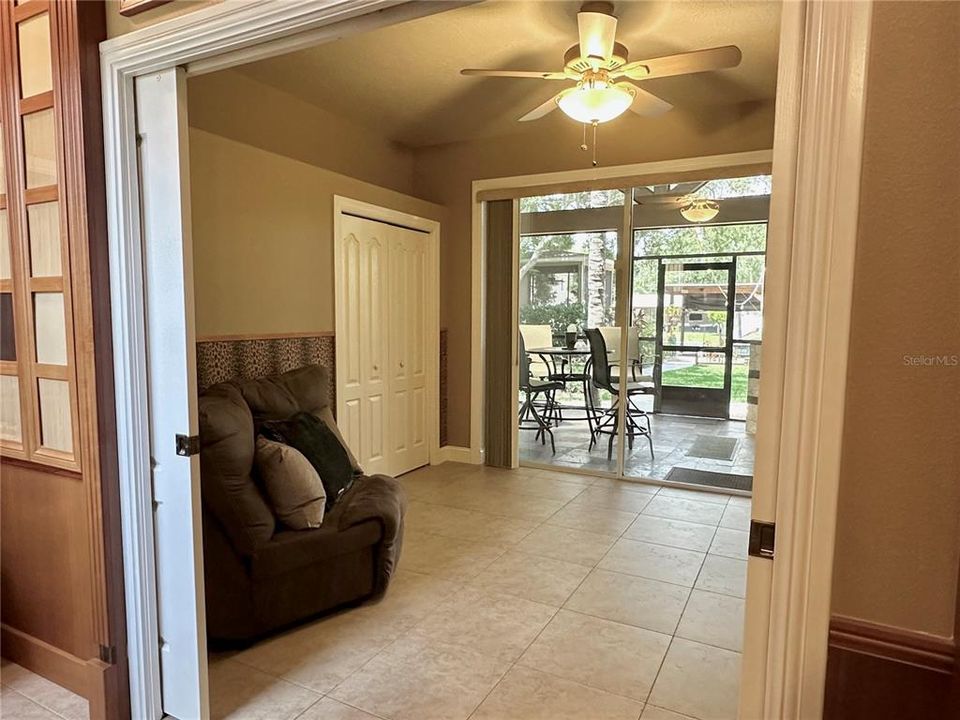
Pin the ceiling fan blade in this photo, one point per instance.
(646, 103)
(541, 110)
(597, 33)
(516, 74)
(682, 63)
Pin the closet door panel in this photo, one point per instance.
(348, 350)
(373, 346)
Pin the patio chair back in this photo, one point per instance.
(611, 336)
(524, 363)
(537, 336)
(599, 360)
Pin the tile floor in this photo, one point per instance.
(524, 595)
(26, 696)
(673, 437)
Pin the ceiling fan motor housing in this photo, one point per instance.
(573, 62)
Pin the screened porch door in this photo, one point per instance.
(695, 313)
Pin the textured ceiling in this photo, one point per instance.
(404, 80)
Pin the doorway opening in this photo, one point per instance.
(693, 333)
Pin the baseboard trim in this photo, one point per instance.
(45, 660)
(456, 453)
(923, 650)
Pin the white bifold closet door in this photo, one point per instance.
(381, 341)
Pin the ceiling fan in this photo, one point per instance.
(599, 66)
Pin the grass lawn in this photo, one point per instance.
(710, 376)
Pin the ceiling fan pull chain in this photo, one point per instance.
(595, 161)
(583, 145)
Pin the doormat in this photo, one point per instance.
(714, 447)
(713, 479)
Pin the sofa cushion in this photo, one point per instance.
(292, 550)
(312, 437)
(292, 485)
(226, 467)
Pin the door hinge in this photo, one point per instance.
(188, 445)
(762, 539)
(108, 654)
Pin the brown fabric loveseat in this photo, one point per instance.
(259, 575)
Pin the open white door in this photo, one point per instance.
(171, 374)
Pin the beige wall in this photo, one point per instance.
(898, 528)
(232, 105)
(444, 175)
(262, 237)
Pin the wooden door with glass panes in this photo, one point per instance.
(61, 590)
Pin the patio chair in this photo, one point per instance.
(530, 417)
(611, 336)
(538, 336)
(608, 420)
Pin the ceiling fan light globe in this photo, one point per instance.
(595, 104)
(700, 211)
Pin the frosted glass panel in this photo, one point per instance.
(5, 271)
(10, 428)
(40, 147)
(43, 221)
(50, 328)
(36, 65)
(56, 430)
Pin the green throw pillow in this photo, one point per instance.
(314, 439)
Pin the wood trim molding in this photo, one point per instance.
(263, 336)
(892, 643)
(135, 7)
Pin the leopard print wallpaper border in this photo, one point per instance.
(249, 358)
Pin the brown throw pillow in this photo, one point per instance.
(292, 485)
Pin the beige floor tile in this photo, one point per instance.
(657, 562)
(330, 709)
(454, 559)
(676, 533)
(723, 575)
(677, 508)
(418, 680)
(526, 484)
(544, 580)
(15, 706)
(322, 654)
(740, 501)
(473, 496)
(736, 517)
(561, 543)
(409, 597)
(713, 619)
(602, 521)
(526, 694)
(651, 712)
(698, 680)
(612, 499)
(465, 524)
(43, 692)
(602, 654)
(567, 477)
(238, 692)
(631, 485)
(688, 494)
(497, 625)
(730, 543)
(649, 604)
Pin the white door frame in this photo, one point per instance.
(817, 150)
(431, 228)
(811, 241)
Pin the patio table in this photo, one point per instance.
(566, 357)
